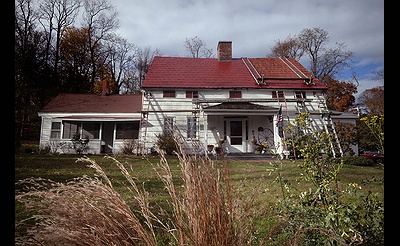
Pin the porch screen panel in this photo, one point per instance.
(127, 130)
(91, 129)
(70, 129)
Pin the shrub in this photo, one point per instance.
(128, 147)
(357, 161)
(166, 142)
(80, 145)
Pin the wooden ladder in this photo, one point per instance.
(329, 127)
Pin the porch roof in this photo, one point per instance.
(240, 107)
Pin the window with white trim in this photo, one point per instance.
(55, 130)
(127, 130)
(169, 93)
(70, 129)
(235, 94)
(83, 129)
(192, 94)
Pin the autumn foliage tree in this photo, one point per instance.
(340, 95)
(347, 134)
(373, 100)
(75, 58)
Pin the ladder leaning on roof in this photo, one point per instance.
(329, 127)
(144, 122)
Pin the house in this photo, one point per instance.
(233, 104)
(109, 122)
(234, 101)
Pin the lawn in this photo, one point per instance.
(255, 175)
(249, 179)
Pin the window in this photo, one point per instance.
(235, 94)
(168, 125)
(91, 129)
(192, 94)
(191, 127)
(55, 130)
(70, 129)
(127, 130)
(300, 94)
(278, 94)
(169, 94)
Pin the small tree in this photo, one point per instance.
(322, 214)
(375, 124)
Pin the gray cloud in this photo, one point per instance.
(254, 26)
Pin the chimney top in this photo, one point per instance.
(105, 87)
(224, 51)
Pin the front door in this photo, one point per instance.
(237, 135)
(108, 137)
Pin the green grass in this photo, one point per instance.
(250, 179)
(249, 175)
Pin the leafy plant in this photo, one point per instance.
(166, 142)
(375, 124)
(80, 145)
(321, 215)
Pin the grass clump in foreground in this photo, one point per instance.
(206, 206)
(89, 210)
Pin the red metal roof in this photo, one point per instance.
(94, 103)
(185, 72)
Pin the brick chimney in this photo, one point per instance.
(224, 51)
(105, 87)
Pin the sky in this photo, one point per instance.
(254, 26)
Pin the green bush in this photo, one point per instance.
(166, 142)
(358, 161)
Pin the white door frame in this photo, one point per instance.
(240, 135)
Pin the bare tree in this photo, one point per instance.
(56, 15)
(197, 48)
(100, 18)
(290, 47)
(325, 63)
(120, 60)
(379, 75)
(142, 64)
